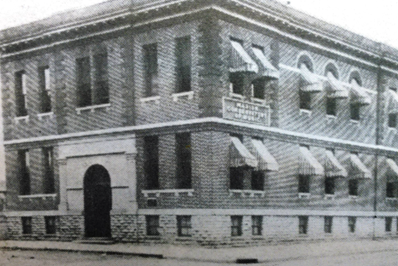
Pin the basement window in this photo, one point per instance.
(26, 225)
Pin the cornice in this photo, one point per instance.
(138, 12)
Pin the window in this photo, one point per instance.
(101, 88)
(351, 224)
(48, 182)
(83, 81)
(257, 181)
(353, 187)
(259, 89)
(303, 225)
(151, 161)
(388, 221)
(236, 175)
(328, 224)
(355, 111)
(304, 184)
(329, 185)
(183, 54)
(183, 152)
(236, 225)
(184, 225)
(152, 225)
(305, 100)
(257, 225)
(24, 173)
(392, 120)
(20, 93)
(236, 83)
(151, 69)
(50, 225)
(45, 89)
(390, 190)
(331, 106)
(26, 225)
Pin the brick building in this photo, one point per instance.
(213, 122)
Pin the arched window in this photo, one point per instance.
(356, 76)
(307, 61)
(331, 68)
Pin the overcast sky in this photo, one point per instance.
(374, 19)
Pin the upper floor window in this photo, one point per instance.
(183, 153)
(353, 187)
(26, 225)
(183, 55)
(236, 83)
(88, 93)
(329, 186)
(48, 182)
(24, 172)
(258, 87)
(304, 184)
(257, 225)
(152, 225)
(151, 161)
(303, 225)
(305, 100)
(184, 225)
(45, 89)
(355, 113)
(236, 175)
(388, 224)
(20, 93)
(151, 69)
(331, 106)
(236, 225)
(51, 225)
(392, 120)
(390, 190)
(352, 224)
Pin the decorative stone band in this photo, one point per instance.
(176, 192)
(244, 193)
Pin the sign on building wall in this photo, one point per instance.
(248, 112)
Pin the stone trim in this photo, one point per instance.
(92, 108)
(176, 192)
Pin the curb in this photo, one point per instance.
(120, 253)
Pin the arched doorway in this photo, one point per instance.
(97, 202)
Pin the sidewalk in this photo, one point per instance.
(271, 253)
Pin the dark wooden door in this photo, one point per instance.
(97, 202)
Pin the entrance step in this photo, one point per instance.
(96, 240)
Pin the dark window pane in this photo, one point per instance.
(351, 224)
(304, 184)
(236, 81)
(355, 111)
(183, 152)
(388, 221)
(236, 177)
(390, 188)
(331, 106)
(26, 225)
(152, 225)
(257, 225)
(392, 120)
(24, 172)
(151, 69)
(236, 225)
(83, 82)
(50, 225)
(329, 185)
(45, 88)
(20, 93)
(257, 180)
(305, 100)
(151, 164)
(184, 225)
(303, 224)
(101, 90)
(328, 224)
(48, 182)
(353, 187)
(183, 54)
(259, 88)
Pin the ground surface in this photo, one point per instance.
(44, 258)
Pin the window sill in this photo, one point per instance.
(22, 118)
(330, 197)
(42, 115)
(92, 108)
(392, 129)
(304, 195)
(392, 199)
(356, 122)
(305, 111)
(259, 101)
(176, 192)
(236, 96)
(331, 117)
(250, 193)
(352, 197)
(187, 94)
(155, 99)
(36, 196)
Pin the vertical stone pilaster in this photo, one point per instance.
(63, 196)
(132, 180)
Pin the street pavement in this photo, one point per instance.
(274, 253)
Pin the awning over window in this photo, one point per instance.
(267, 69)
(392, 102)
(359, 95)
(392, 168)
(358, 169)
(309, 81)
(240, 60)
(265, 159)
(240, 155)
(333, 168)
(308, 165)
(335, 88)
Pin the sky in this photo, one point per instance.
(374, 19)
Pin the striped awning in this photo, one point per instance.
(240, 155)
(358, 169)
(333, 168)
(392, 102)
(240, 60)
(308, 165)
(267, 69)
(309, 81)
(335, 88)
(266, 161)
(359, 95)
(392, 168)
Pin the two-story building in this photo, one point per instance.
(193, 121)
